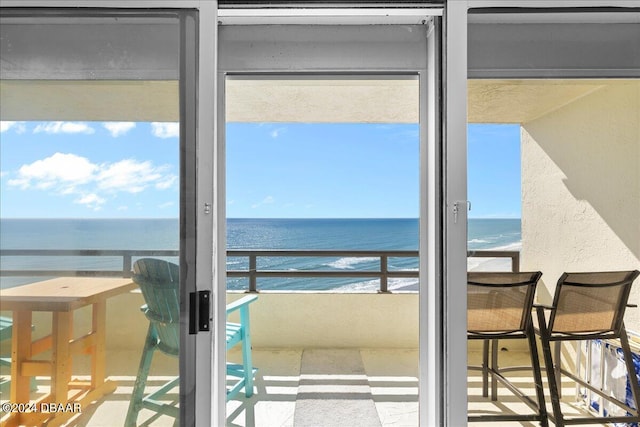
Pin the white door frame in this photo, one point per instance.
(197, 140)
(454, 298)
(443, 378)
(443, 340)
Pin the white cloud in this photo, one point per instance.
(165, 130)
(266, 201)
(276, 132)
(6, 125)
(91, 200)
(166, 205)
(61, 170)
(168, 181)
(91, 183)
(118, 128)
(64, 127)
(128, 176)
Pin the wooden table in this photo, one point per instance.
(61, 296)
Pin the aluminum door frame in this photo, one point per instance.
(197, 107)
(443, 341)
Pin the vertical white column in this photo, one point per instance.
(455, 224)
(210, 360)
(431, 277)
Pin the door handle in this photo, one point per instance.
(199, 311)
(455, 208)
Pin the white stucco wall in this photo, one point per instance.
(278, 320)
(333, 320)
(581, 188)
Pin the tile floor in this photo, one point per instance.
(392, 376)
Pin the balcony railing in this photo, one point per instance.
(253, 273)
(383, 273)
(125, 255)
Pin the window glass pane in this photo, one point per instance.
(324, 164)
(323, 175)
(90, 155)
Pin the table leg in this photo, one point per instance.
(98, 360)
(70, 357)
(20, 352)
(61, 357)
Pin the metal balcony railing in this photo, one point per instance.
(253, 273)
(125, 255)
(383, 273)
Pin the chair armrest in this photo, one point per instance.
(236, 305)
(156, 317)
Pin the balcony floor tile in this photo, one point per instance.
(392, 375)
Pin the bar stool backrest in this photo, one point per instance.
(594, 302)
(500, 302)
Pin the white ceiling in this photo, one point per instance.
(323, 100)
(520, 101)
(281, 100)
(104, 100)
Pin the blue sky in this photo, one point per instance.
(89, 170)
(493, 168)
(131, 170)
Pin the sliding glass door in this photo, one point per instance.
(96, 230)
(322, 76)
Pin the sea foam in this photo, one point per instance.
(350, 263)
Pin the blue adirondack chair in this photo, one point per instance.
(159, 281)
(240, 376)
(6, 327)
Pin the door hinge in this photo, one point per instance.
(199, 311)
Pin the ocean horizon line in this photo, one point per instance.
(349, 234)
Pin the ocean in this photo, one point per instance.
(331, 234)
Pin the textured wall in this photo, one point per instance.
(581, 188)
(334, 320)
